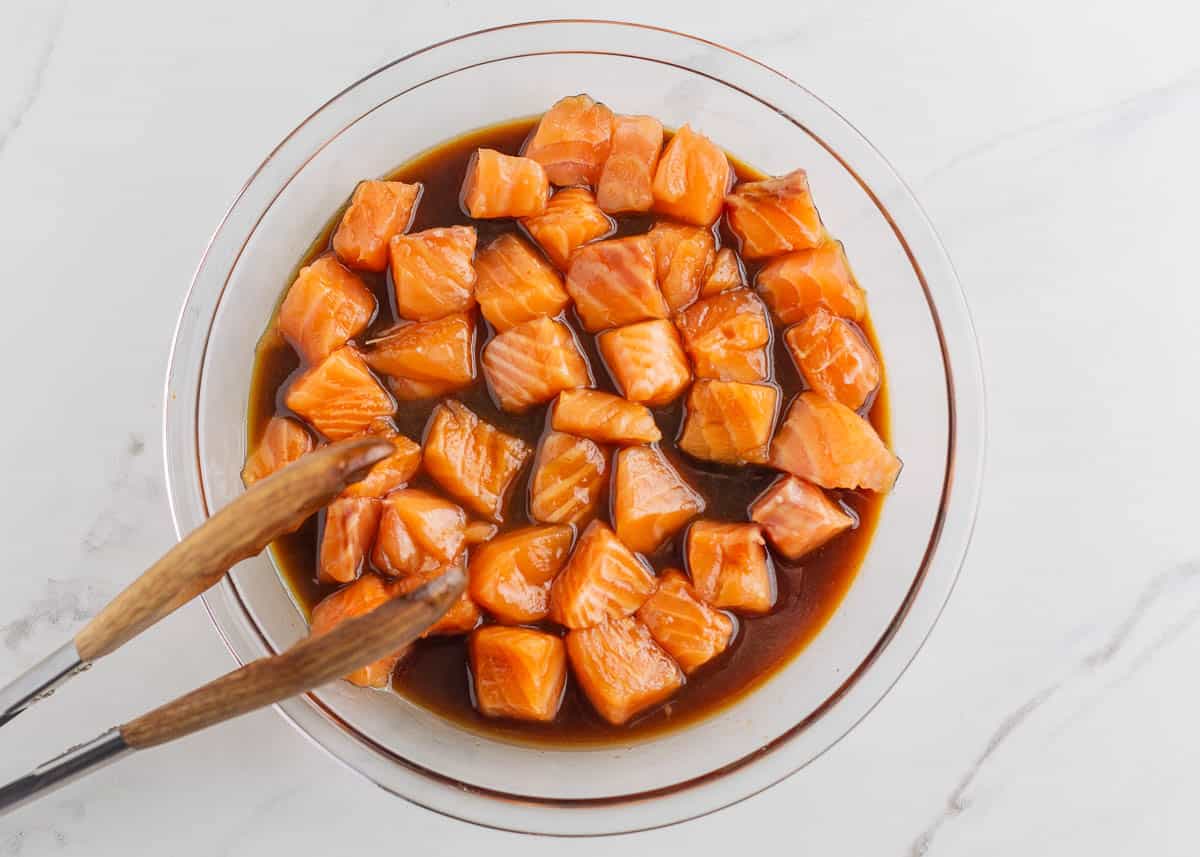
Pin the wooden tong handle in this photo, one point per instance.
(308, 664)
(268, 509)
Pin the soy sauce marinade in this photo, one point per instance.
(435, 673)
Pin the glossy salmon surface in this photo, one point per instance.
(432, 272)
(800, 283)
(834, 357)
(570, 475)
(339, 397)
(510, 575)
(651, 502)
(798, 517)
(518, 672)
(621, 669)
(472, 460)
(683, 625)
(346, 538)
(394, 471)
(683, 259)
(727, 336)
(628, 173)
(571, 219)
(359, 598)
(825, 442)
(729, 422)
(515, 284)
(613, 282)
(499, 185)
(478, 532)
(647, 361)
(377, 211)
(691, 179)
(419, 533)
(602, 580)
(603, 417)
(726, 274)
(324, 309)
(437, 355)
(774, 216)
(572, 140)
(730, 567)
(283, 442)
(531, 363)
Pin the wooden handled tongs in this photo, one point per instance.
(268, 509)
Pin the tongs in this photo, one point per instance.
(268, 509)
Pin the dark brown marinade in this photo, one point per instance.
(435, 675)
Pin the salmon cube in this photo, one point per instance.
(378, 210)
(569, 477)
(647, 361)
(603, 417)
(775, 216)
(686, 628)
(394, 471)
(532, 363)
(499, 185)
(800, 283)
(472, 460)
(730, 567)
(625, 180)
(602, 580)
(651, 501)
(461, 617)
(339, 397)
(729, 422)
(613, 283)
(346, 538)
(835, 359)
(432, 272)
(419, 534)
(727, 336)
(571, 219)
(798, 518)
(622, 671)
(692, 179)
(510, 575)
(515, 284)
(283, 442)
(478, 532)
(572, 140)
(359, 598)
(439, 353)
(825, 442)
(324, 309)
(726, 274)
(683, 258)
(518, 672)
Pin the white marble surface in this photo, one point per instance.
(1054, 145)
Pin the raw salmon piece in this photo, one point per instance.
(683, 258)
(602, 580)
(394, 471)
(726, 274)
(478, 532)
(612, 283)
(349, 531)
(472, 460)
(378, 210)
(730, 567)
(729, 422)
(651, 501)
(727, 336)
(603, 417)
(510, 575)
(797, 516)
(774, 216)
(692, 179)
(621, 669)
(283, 442)
(518, 672)
(684, 626)
(359, 598)
(569, 477)
(324, 309)
(419, 533)
(825, 442)
(625, 180)
(339, 397)
(463, 615)
(647, 361)
(572, 140)
(426, 357)
(833, 356)
(802, 282)
(515, 284)
(432, 272)
(532, 363)
(500, 185)
(570, 220)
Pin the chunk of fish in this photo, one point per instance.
(800, 283)
(774, 216)
(647, 361)
(627, 175)
(419, 533)
(686, 628)
(730, 567)
(499, 185)
(436, 355)
(727, 336)
(339, 397)
(622, 671)
(602, 580)
(359, 598)
(394, 471)
(571, 219)
(510, 575)
(515, 284)
(798, 518)
(834, 357)
(651, 501)
(613, 283)
(726, 274)
(683, 259)
(432, 272)
(825, 442)
(518, 672)
(729, 422)
(532, 363)
(569, 477)
(603, 417)
(572, 140)
(283, 442)
(346, 538)
(378, 210)
(692, 179)
(324, 309)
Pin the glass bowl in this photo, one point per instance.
(922, 324)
